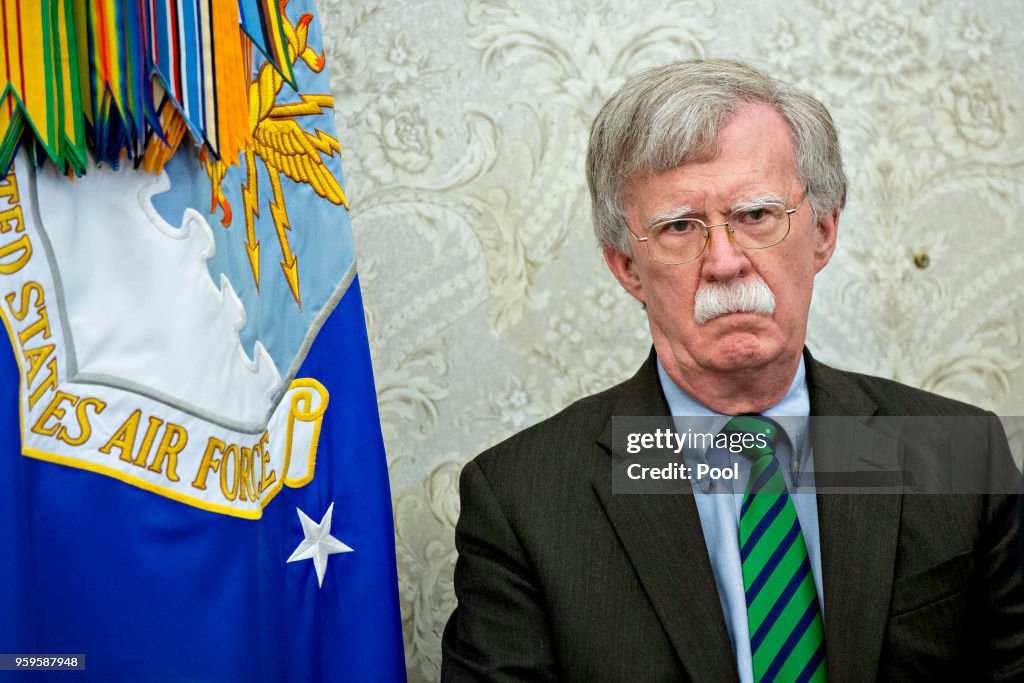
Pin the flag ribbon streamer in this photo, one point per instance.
(126, 79)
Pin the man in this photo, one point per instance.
(716, 195)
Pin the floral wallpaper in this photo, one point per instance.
(464, 127)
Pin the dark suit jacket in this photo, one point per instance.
(558, 578)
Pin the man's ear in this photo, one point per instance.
(623, 269)
(825, 236)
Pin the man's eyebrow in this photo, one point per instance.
(670, 215)
(686, 211)
(757, 202)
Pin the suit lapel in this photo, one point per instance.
(663, 539)
(858, 531)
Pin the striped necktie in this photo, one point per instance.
(787, 635)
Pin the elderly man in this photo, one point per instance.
(716, 196)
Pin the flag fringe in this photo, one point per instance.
(126, 79)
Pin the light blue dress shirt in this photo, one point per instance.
(719, 501)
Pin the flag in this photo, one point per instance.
(195, 485)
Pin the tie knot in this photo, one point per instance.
(753, 435)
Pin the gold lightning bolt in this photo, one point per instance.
(285, 148)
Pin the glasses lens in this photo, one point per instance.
(676, 241)
(761, 227)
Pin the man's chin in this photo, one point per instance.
(742, 341)
(739, 359)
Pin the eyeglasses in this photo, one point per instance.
(680, 240)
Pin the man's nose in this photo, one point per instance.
(723, 259)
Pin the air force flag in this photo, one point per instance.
(194, 482)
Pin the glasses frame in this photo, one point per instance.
(731, 231)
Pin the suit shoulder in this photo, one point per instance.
(898, 399)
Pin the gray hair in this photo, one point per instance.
(669, 115)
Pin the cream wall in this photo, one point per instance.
(489, 307)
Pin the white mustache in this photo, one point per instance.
(739, 296)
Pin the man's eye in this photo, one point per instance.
(683, 227)
(761, 215)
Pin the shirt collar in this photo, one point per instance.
(795, 404)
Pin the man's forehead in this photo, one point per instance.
(754, 157)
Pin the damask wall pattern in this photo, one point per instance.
(464, 128)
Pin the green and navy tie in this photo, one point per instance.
(787, 635)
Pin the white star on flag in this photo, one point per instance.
(318, 543)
